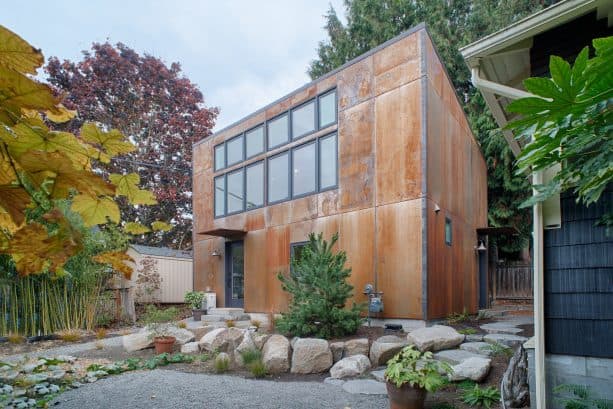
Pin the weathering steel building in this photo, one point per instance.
(379, 151)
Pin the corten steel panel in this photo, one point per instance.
(209, 270)
(399, 250)
(201, 192)
(303, 95)
(256, 271)
(397, 76)
(328, 202)
(356, 164)
(396, 54)
(325, 225)
(355, 84)
(203, 153)
(356, 237)
(398, 144)
(277, 261)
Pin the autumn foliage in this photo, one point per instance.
(40, 167)
(159, 109)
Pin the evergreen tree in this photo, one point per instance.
(452, 24)
(319, 291)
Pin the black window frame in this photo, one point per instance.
(270, 147)
(335, 186)
(313, 101)
(241, 169)
(263, 126)
(242, 145)
(292, 247)
(316, 166)
(319, 97)
(220, 145)
(289, 177)
(264, 183)
(448, 223)
(215, 194)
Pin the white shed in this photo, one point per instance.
(161, 274)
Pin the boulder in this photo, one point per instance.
(385, 348)
(356, 347)
(475, 369)
(190, 348)
(235, 336)
(275, 354)
(354, 365)
(311, 355)
(136, 341)
(182, 335)
(505, 339)
(435, 338)
(292, 341)
(455, 356)
(260, 339)
(213, 339)
(337, 350)
(201, 331)
(481, 348)
(245, 345)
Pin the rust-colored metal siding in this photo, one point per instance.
(377, 208)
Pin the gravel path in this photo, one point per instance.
(162, 388)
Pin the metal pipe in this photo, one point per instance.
(496, 88)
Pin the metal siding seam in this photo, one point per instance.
(424, 175)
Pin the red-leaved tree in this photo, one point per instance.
(159, 109)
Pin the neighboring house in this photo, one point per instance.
(173, 266)
(573, 257)
(378, 151)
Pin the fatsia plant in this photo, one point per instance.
(569, 123)
(40, 167)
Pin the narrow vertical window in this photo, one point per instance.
(220, 195)
(303, 170)
(220, 157)
(278, 131)
(235, 191)
(254, 182)
(278, 178)
(254, 140)
(327, 162)
(235, 150)
(327, 109)
(448, 231)
(303, 120)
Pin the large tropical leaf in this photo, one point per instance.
(117, 260)
(161, 226)
(136, 228)
(14, 200)
(95, 210)
(112, 142)
(17, 54)
(127, 185)
(19, 92)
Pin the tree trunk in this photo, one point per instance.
(514, 385)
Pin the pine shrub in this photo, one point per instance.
(319, 292)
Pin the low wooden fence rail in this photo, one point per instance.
(513, 282)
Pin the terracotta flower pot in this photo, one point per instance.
(405, 397)
(197, 314)
(163, 344)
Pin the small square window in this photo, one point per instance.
(327, 109)
(220, 157)
(448, 231)
(254, 139)
(303, 120)
(278, 131)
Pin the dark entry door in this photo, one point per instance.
(235, 274)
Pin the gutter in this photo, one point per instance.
(493, 88)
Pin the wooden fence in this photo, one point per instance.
(513, 282)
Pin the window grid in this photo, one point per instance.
(290, 167)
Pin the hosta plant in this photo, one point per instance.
(417, 369)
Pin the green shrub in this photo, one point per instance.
(467, 331)
(499, 350)
(579, 397)
(319, 291)
(194, 299)
(251, 355)
(417, 369)
(157, 320)
(484, 397)
(258, 369)
(222, 363)
(456, 317)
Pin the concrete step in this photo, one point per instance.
(222, 314)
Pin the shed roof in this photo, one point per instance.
(161, 251)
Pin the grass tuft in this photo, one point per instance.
(256, 323)
(258, 369)
(230, 323)
(467, 331)
(70, 335)
(251, 355)
(101, 333)
(14, 338)
(182, 324)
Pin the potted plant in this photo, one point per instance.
(410, 375)
(159, 323)
(194, 299)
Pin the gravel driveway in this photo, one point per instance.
(163, 388)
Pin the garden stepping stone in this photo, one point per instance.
(454, 356)
(331, 381)
(435, 338)
(475, 369)
(474, 338)
(481, 348)
(501, 328)
(365, 387)
(311, 355)
(509, 340)
(384, 348)
(379, 375)
(351, 366)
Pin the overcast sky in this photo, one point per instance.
(241, 54)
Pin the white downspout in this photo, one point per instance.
(537, 227)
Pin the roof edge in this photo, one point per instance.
(404, 34)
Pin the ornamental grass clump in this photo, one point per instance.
(319, 292)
